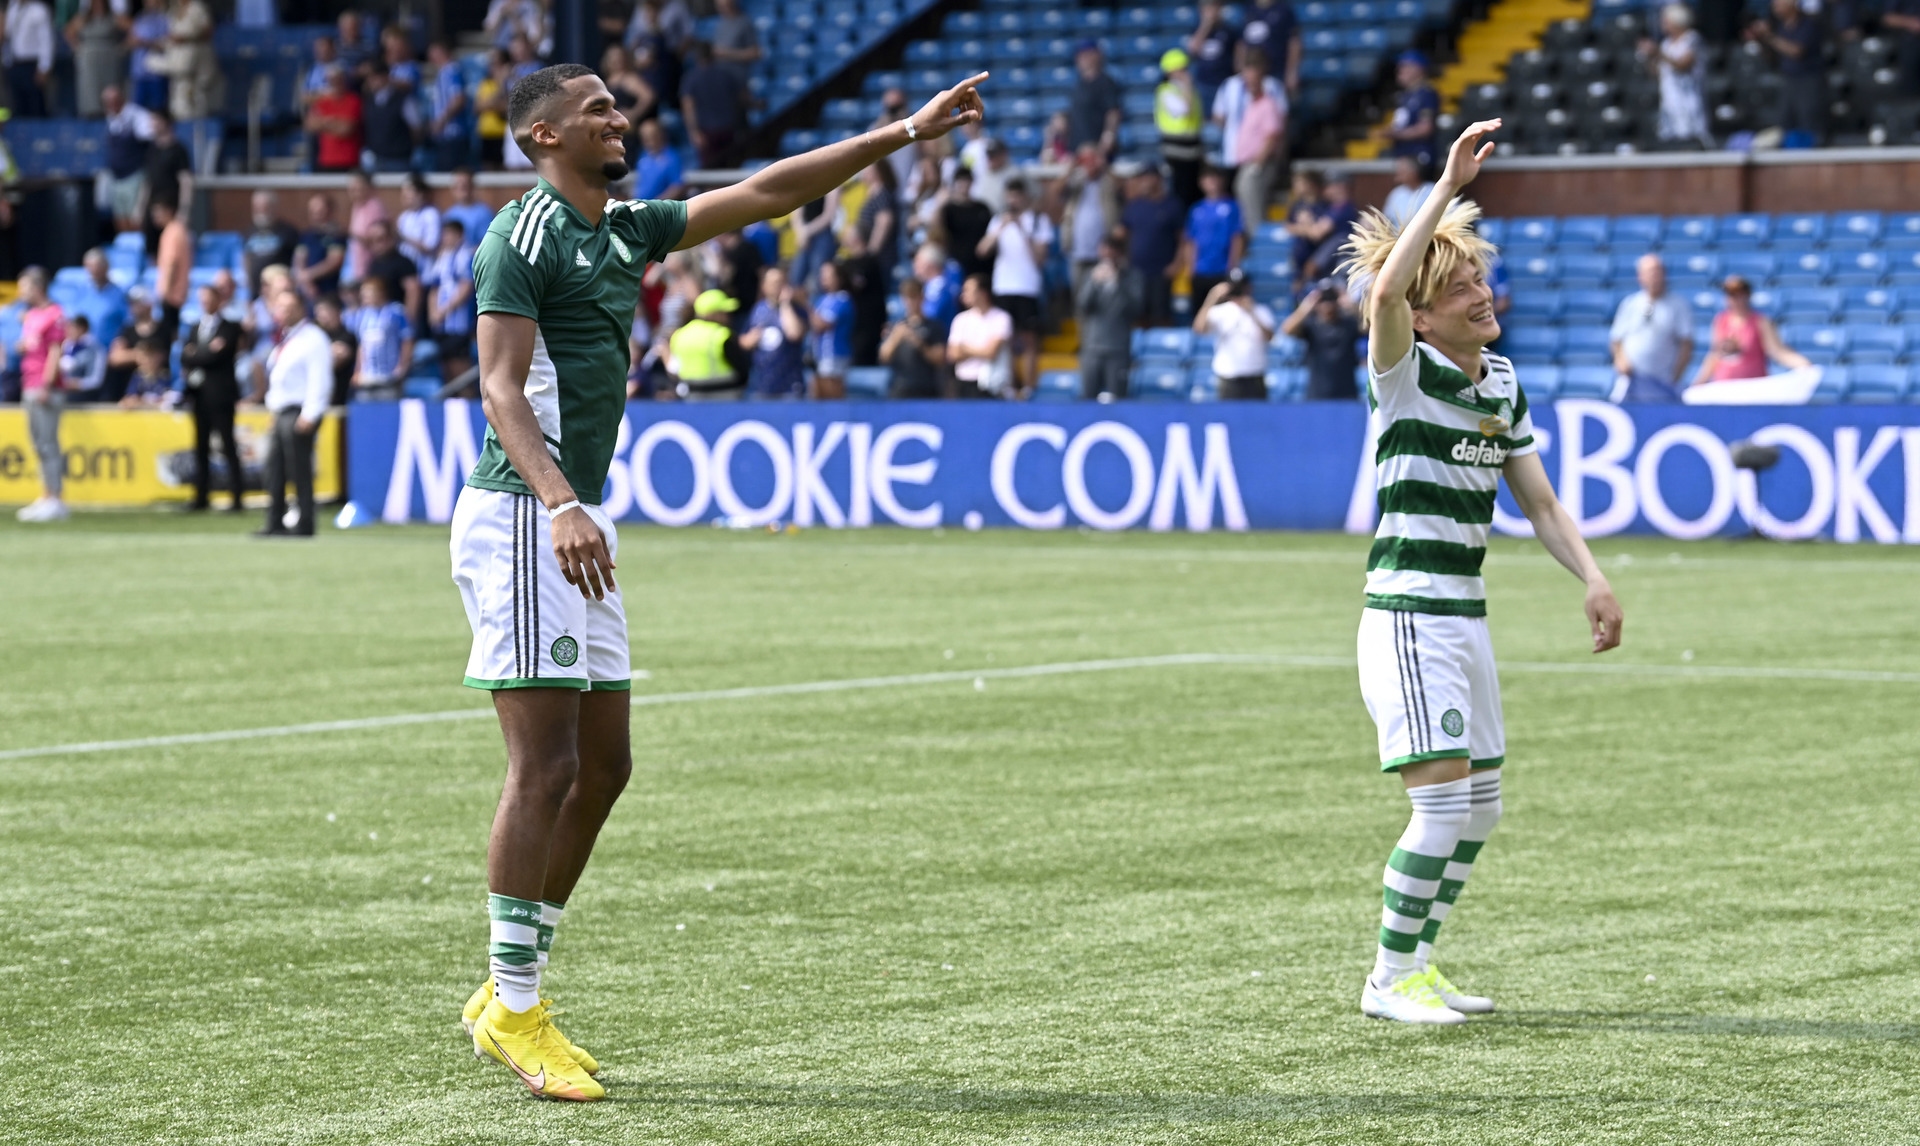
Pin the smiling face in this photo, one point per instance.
(579, 127)
(1461, 317)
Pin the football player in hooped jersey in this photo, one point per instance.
(1449, 421)
(556, 280)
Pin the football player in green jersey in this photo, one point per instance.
(556, 281)
(1450, 420)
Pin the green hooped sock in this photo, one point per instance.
(549, 919)
(513, 951)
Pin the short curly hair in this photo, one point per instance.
(529, 97)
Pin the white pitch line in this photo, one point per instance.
(962, 676)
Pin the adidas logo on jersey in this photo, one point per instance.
(1479, 453)
(580, 259)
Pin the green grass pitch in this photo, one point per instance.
(1128, 906)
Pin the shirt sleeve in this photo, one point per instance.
(657, 226)
(506, 280)
(1522, 432)
(317, 357)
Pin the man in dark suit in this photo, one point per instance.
(207, 358)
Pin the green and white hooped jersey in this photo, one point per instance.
(1440, 441)
(580, 285)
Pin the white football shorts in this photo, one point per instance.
(1429, 681)
(531, 629)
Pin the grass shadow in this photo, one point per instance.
(1663, 1023)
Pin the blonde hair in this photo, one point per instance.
(1454, 242)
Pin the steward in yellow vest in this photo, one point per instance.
(1178, 115)
(697, 353)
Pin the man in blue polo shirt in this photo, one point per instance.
(1215, 237)
(940, 287)
(657, 171)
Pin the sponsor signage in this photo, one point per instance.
(1851, 473)
(118, 457)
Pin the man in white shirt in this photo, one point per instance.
(978, 343)
(1018, 240)
(299, 388)
(1652, 337)
(1240, 328)
(1410, 190)
(29, 56)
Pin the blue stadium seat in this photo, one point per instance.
(877, 83)
(1814, 263)
(1870, 298)
(1855, 225)
(1541, 229)
(1623, 263)
(1877, 383)
(1585, 230)
(1159, 380)
(1588, 305)
(1833, 385)
(869, 382)
(1057, 386)
(1860, 269)
(1809, 226)
(1583, 266)
(1696, 264)
(1535, 266)
(1286, 383)
(1168, 341)
(1878, 338)
(1542, 383)
(1318, 12)
(1748, 228)
(1756, 266)
(1787, 246)
(1537, 305)
(1202, 385)
(1832, 339)
(1585, 338)
(1686, 285)
(1595, 382)
(1640, 232)
(1495, 231)
(921, 52)
(1799, 309)
(964, 23)
(1139, 17)
(1323, 40)
(1532, 341)
(1694, 228)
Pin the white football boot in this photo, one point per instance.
(1408, 999)
(1455, 998)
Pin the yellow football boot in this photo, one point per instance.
(477, 1002)
(527, 1044)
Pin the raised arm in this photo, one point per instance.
(1555, 527)
(789, 184)
(506, 353)
(1391, 333)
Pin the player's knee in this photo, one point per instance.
(608, 776)
(548, 778)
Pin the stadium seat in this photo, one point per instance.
(1856, 224)
(1542, 383)
(1057, 386)
(1696, 228)
(1875, 338)
(1163, 341)
(1586, 382)
(1832, 387)
(1542, 229)
(870, 382)
(1808, 226)
(1532, 341)
(1635, 233)
(1584, 231)
(1588, 305)
(1158, 380)
(1536, 305)
(1585, 339)
(1748, 229)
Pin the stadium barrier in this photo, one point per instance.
(131, 458)
(1850, 473)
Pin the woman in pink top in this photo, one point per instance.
(366, 209)
(39, 348)
(1744, 340)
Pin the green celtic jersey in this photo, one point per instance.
(580, 285)
(1439, 443)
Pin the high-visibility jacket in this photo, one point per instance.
(1176, 112)
(699, 357)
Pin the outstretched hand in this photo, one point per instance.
(1468, 153)
(957, 106)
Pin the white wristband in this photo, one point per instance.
(557, 510)
(912, 135)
